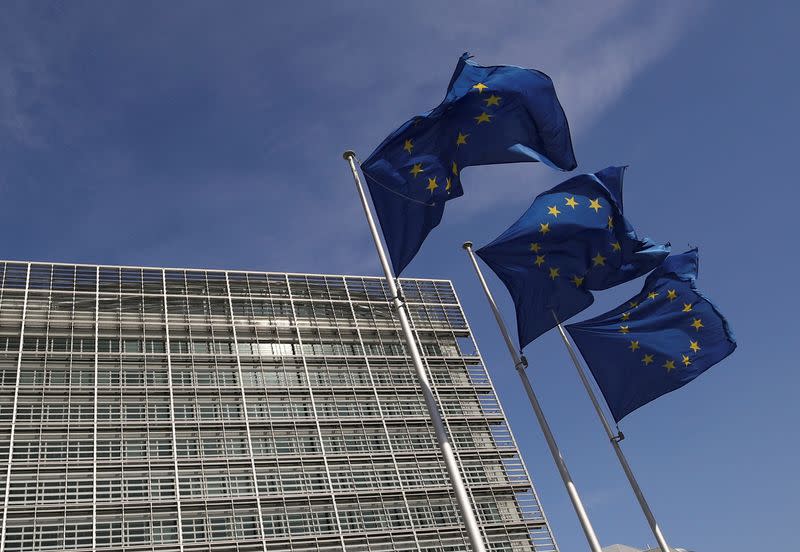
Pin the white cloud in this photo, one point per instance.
(292, 90)
(595, 72)
(592, 63)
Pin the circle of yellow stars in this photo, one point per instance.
(571, 204)
(462, 139)
(669, 364)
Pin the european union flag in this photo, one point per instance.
(500, 114)
(660, 340)
(572, 239)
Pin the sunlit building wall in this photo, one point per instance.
(164, 409)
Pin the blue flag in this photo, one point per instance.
(490, 115)
(660, 340)
(572, 239)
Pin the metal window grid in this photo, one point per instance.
(179, 409)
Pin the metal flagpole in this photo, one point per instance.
(520, 363)
(464, 506)
(615, 439)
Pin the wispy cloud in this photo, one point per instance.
(236, 118)
(593, 63)
(25, 82)
(597, 68)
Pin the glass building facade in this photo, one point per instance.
(165, 409)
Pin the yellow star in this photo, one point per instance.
(462, 139)
(535, 247)
(432, 185)
(626, 315)
(483, 118)
(544, 227)
(408, 146)
(616, 246)
(623, 329)
(633, 346)
(669, 365)
(652, 295)
(694, 346)
(610, 223)
(687, 307)
(595, 204)
(599, 260)
(454, 168)
(697, 324)
(449, 184)
(553, 211)
(571, 202)
(577, 280)
(671, 294)
(685, 360)
(539, 260)
(481, 87)
(647, 359)
(554, 273)
(633, 304)
(416, 169)
(492, 100)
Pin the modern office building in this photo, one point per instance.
(165, 409)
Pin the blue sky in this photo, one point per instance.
(210, 135)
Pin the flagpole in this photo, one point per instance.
(520, 363)
(615, 439)
(399, 305)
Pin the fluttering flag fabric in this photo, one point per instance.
(656, 342)
(499, 114)
(573, 239)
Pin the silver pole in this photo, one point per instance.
(520, 363)
(464, 506)
(615, 439)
